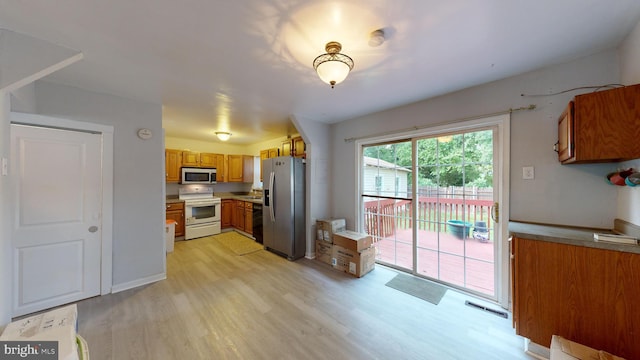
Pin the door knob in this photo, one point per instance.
(93, 229)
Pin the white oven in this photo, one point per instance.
(201, 211)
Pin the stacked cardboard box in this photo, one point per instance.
(325, 229)
(353, 253)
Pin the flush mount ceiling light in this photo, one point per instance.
(222, 135)
(333, 67)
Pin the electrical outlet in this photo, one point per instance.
(527, 173)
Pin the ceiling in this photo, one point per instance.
(245, 66)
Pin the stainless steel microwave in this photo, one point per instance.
(198, 176)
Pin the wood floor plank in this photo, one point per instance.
(217, 305)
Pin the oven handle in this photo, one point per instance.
(272, 177)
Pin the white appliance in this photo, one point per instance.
(191, 175)
(201, 211)
(283, 212)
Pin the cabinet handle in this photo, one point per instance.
(495, 213)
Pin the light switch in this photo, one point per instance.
(5, 167)
(527, 173)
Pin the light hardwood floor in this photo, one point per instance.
(217, 305)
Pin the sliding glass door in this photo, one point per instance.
(428, 203)
(386, 198)
(454, 241)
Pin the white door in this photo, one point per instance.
(56, 232)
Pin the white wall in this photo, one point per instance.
(560, 194)
(138, 213)
(629, 197)
(317, 138)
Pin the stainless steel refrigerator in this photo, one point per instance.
(283, 215)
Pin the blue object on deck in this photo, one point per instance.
(459, 228)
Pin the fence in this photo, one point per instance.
(383, 216)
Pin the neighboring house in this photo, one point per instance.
(384, 178)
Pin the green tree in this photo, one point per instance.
(458, 160)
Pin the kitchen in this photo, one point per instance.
(237, 185)
(552, 197)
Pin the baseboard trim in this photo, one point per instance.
(138, 282)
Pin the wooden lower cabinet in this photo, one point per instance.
(225, 216)
(248, 217)
(239, 218)
(175, 211)
(584, 294)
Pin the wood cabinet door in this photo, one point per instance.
(247, 168)
(235, 168)
(220, 166)
(225, 216)
(190, 158)
(172, 163)
(285, 148)
(566, 143)
(274, 152)
(299, 147)
(586, 294)
(248, 218)
(264, 154)
(240, 214)
(175, 211)
(208, 160)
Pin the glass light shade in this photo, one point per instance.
(224, 136)
(333, 67)
(333, 71)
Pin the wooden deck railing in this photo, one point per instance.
(381, 217)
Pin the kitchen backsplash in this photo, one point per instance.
(172, 188)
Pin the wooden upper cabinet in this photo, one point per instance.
(285, 148)
(190, 158)
(293, 147)
(208, 160)
(299, 147)
(601, 126)
(221, 168)
(172, 163)
(240, 168)
(267, 154)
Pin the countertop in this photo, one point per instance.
(172, 199)
(224, 196)
(567, 235)
(227, 196)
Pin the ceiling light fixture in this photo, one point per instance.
(333, 67)
(222, 135)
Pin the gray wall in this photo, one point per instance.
(138, 213)
(316, 136)
(560, 194)
(629, 198)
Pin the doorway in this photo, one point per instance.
(61, 222)
(430, 202)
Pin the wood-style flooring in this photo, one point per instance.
(217, 305)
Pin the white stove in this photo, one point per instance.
(202, 211)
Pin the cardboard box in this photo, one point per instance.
(352, 240)
(324, 251)
(325, 228)
(355, 263)
(562, 349)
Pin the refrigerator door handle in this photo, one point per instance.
(272, 178)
